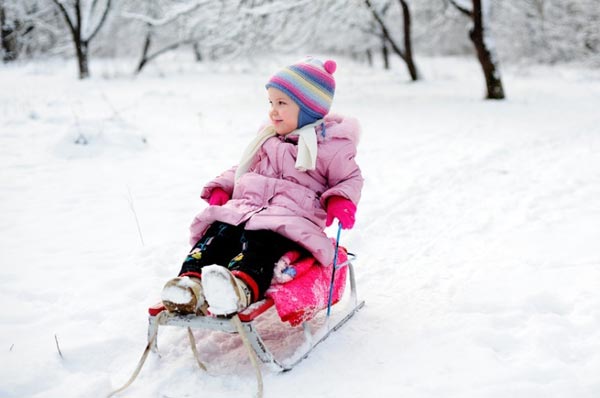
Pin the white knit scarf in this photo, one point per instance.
(307, 148)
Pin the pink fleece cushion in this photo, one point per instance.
(304, 296)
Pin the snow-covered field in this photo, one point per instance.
(478, 234)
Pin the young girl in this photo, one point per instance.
(293, 179)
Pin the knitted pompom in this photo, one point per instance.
(330, 66)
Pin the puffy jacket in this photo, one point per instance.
(274, 195)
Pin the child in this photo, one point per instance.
(293, 179)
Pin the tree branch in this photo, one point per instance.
(163, 50)
(65, 14)
(102, 19)
(167, 19)
(93, 6)
(78, 27)
(462, 8)
(263, 10)
(384, 30)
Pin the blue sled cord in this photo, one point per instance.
(335, 260)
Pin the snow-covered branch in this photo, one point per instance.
(275, 8)
(172, 15)
(540, 30)
(101, 21)
(464, 6)
(70, 20)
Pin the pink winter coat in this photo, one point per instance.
(274, 195)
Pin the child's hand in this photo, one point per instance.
(342, 209)
(218, 197)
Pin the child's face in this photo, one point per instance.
(284, 111)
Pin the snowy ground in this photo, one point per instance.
(477, 234)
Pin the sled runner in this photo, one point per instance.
(244, 322)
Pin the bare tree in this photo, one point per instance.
(154, 21)
(546, 31)
(84, 19)
(7, 36)
(18, 21)
(27, 28)
(374, 28)
(478, 11)
(405, 54)
(252, 26)
(408, 52)
(549, 31)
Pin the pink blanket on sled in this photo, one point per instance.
(300, 297)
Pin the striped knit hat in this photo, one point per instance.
(310, 84)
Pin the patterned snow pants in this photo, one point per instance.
(250, 255)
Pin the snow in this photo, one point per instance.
(219, 290)
(477, 234)
(179, 293)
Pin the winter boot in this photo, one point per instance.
(184, 295)
(225, 293)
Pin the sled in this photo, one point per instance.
(244, 324)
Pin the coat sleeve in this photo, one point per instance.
(343, 175)
(225, 181)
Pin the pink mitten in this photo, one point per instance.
(342, 209)
(218, 197)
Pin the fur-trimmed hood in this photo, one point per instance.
(338, 126)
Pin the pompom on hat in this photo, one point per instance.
(310, 84)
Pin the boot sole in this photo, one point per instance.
(220, 290)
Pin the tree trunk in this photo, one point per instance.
(197, 52)
(485, 56)
(75, 27)
(370, 58)
(145, 49)
(412, 70)
(82, 59)
(385, 53)
(8, 38)
(410, 63)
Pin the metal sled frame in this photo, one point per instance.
(243, 324)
